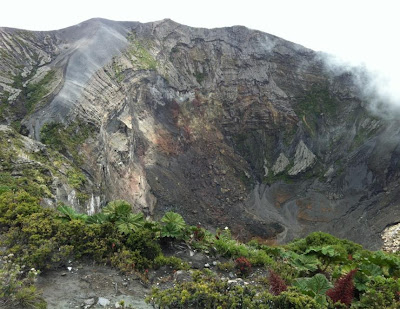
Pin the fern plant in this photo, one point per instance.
(117, 210)
(120, 213)
(99, 218)
(130, 223)
(173, 225)
(68, 214)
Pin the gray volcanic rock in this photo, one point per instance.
(303, 159)
(281, 163)
(190, 119)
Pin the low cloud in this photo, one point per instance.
(379, 86)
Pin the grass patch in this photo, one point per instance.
(35, 92)
(140, 54)
(66, 139)
(199, 76)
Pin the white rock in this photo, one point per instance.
(266, 168)
(281, 163)
(303, 159)
(103, 301)
(89, 302)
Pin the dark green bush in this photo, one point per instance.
(128, 261)
(206, 291)
(317, 239)
(172, 261)
(381, 293)
(144, 241)
(286, 300)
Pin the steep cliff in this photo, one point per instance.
(226, 126)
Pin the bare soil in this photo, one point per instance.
(64, 288)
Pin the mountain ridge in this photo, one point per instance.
(228, 126)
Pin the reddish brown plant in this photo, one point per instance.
(243, 265)
(276, 283)
(343, 291)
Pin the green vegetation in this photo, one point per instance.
(66, 139)
(208, 291)
(317, 103)
(363, 134)
(4, 54)
(118, 71)
(307, 273)
(140, 54)
(3, 103)
(34, 180)
(283, 176)
(16, 287)
(199, 76)
(41, 238)
(35, 92)
(174, 225)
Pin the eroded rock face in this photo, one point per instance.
(391, 238)
(230, 127)
(303, 159)
(281, 163)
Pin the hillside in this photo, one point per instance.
(159, 165)
(229, 127)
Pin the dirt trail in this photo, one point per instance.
(85, 284)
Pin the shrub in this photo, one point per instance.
(173, 225)
(204, 292)
(343, 291)
(14, 206)
(276, 283)
(209, 292)
(173, 261)
(128, 261)
(295, 301)
(315, 287)
(198, 233)
(68, 213)
(144, 242)
(16, 286)
(380, 293)
(318, 239)
(287, 299)
(259, 258)
(286, 271)
(243, 266)
(227, 266)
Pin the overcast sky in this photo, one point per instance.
(358, 31)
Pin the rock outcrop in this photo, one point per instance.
(170, 117)
(391, 238)
(281, 163)
(303, 159)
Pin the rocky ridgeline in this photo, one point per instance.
(226, 126)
